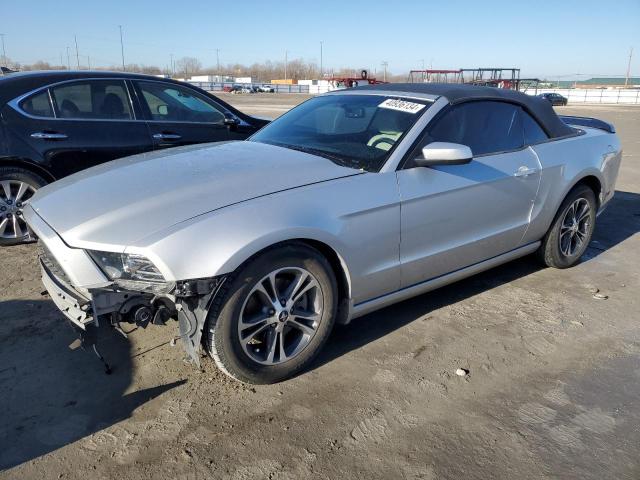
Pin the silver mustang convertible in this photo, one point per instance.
(350, 202)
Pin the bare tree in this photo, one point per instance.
(189, 66)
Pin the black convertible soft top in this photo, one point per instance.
(540, 108)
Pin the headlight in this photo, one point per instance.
(126, 266)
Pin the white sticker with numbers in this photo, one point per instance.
(401, 105)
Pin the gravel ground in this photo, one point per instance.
(552, 389)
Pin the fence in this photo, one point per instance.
(630, 96)
(219, 87)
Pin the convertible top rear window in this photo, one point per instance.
(356, 131)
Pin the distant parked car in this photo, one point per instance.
(265, 88)
(242, 89)
(554, 98)
(53, 124)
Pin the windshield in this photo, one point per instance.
(356, 131)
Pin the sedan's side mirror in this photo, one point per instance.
(444, 153)
(231, 121)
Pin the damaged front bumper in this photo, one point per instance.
(186, 301)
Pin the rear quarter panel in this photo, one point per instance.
(564, 163)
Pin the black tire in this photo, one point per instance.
(222, 337)
(15, 174)
(551, 252)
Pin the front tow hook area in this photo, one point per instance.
(88, 341)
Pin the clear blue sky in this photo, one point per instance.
(544, 38)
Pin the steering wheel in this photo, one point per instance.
(378, 141)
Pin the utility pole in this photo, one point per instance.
(68, 60)
(217, 61)
(173, 72)
(626, 80)
(89, 61)
(121, 47)
(321, 59)
(61, 61)
(4, 52)
(385, 64)
(286, 52)
(77, 54)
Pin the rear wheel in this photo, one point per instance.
(17, 186)
(275, 315)
(571, 231)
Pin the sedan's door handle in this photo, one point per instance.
(525, 171)
(166, 136)
(49, 136)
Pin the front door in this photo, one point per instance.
(457, 215)
(178, 115)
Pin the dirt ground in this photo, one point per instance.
(552, 391)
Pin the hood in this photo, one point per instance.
(114, 204)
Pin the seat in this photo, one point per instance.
(68, 109)
(112, 107)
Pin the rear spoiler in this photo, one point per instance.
(588, 122)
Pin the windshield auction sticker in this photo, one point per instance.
(402, 105)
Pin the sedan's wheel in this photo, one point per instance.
(274, 315)
(571, 232)
(17, 186)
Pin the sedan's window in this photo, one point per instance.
(38, 105)
(533, 133)
(485, 127)
(357, 131)
(171, 103)
(92, 99)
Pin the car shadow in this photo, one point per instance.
(618, 222)
(52, 396)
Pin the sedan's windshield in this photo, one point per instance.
(357, 131)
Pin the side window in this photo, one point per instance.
(485, 127)
(171, 103)
(533, 132)
(38, 105)
(93, 99)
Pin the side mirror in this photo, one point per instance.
(230, 121)
(444, 153)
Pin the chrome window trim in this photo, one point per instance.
(15, 103)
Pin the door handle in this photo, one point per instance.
(524, 171)
(49, 136)
(166, 136)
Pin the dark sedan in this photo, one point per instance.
(56, 123)
(555, 98)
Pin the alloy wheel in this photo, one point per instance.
(280, 315)
(13, 195)
(575, 229)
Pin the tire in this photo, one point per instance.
(566, 240)
(247, 295)
(16, 186)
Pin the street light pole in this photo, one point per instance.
(286, 52)
(77, 54)
(321, 59)
(626, 79)
(217, 61)
(121, 47)
(4, 52)
(68, 60)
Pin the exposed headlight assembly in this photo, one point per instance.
(126, 266)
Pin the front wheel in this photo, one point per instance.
(17, 186)
(571, 231)
(274, 315)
